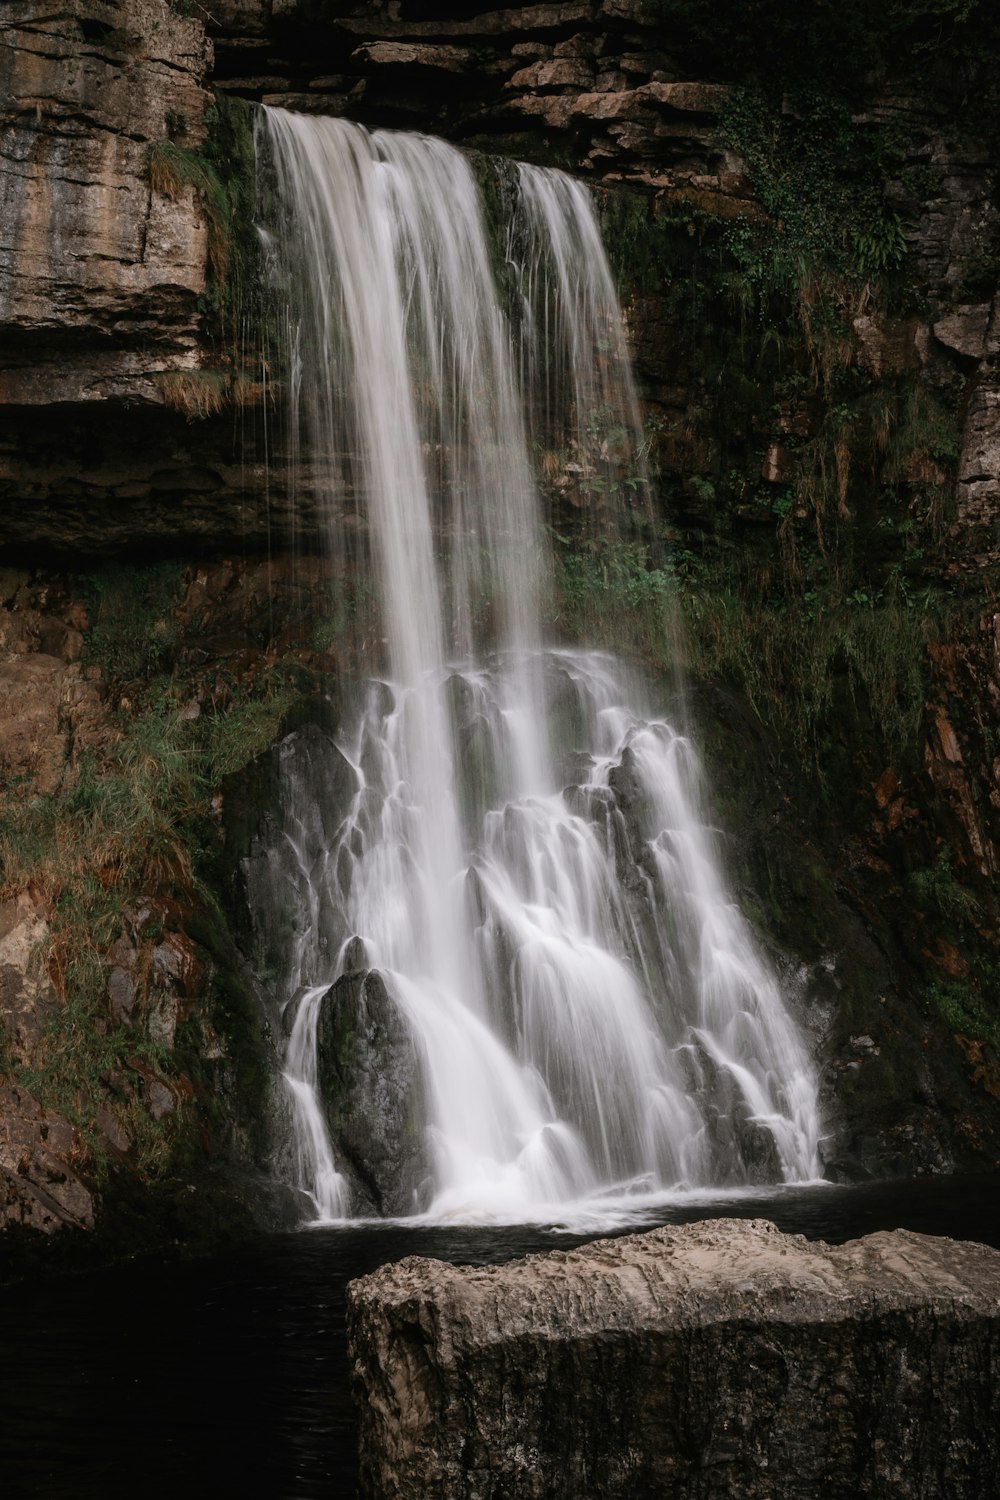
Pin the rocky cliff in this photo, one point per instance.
(100, 268)
(804, 220)
(720, 1359)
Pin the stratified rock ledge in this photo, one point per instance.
(710, 1360)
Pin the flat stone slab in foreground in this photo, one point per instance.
(716, 1359)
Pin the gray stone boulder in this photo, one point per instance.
(720, 1359)
(370, 1086)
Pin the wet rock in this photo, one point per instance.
(416, 55)
(282, 817)
(562, 72)
(174, 960)
(42, 700)
(369, 1082)
(162, 1017)
(965, 330)
(356, 959)
(633, 801)
(717, 1361)
(27, 998)
(778, 466)
(113, 1131)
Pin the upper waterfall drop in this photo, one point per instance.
(517, 963)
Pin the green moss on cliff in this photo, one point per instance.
(222, 172)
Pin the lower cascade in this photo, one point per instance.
(515, 979)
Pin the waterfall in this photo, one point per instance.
(516, 962)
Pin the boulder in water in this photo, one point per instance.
(714, 1361)
(369, 1083)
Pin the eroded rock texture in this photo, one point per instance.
(715, 1360)
(87, 247)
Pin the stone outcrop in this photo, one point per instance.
(369, 1083)
(718, 1361)
(96, 266)
(278, 826)
(587, 84)
(41, 1152)
(27, 998)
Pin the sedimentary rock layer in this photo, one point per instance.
(712, 1360)
(99, 272)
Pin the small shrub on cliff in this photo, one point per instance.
(172, 168)
(936, 888)
(615, 592)
(821, 180)
(964, 1010)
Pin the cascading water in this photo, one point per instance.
(543, 990)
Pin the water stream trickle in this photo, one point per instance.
(562, 1002)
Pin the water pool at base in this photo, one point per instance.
(229, 1376)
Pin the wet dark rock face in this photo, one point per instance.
(719, 1361)
(282, 815)
(370, 1087)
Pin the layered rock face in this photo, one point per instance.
(718, 1361)
(589, 85)
(99, 273)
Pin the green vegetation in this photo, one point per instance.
(964, 1010)
(937, 889)
(613, 592)
(820, 179)
(122, 850)
(803, 663)
(222, 172)
(807, 474)
(132, 629)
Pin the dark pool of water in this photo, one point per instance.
(228, 1377)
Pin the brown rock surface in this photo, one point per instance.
(85, 245)
(978, 491)
(41, 698)
(714, 1360)
(27, 997)
(38, 1186)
